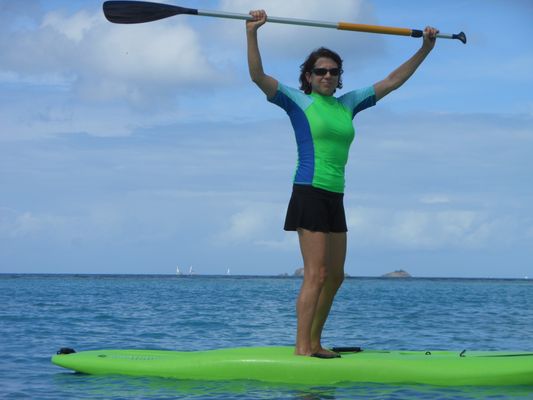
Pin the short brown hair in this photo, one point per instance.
(309, 64)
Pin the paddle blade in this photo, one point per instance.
(136, 12)
(461, 36)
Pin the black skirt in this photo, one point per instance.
(316, 210)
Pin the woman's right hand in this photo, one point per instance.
(259, 19)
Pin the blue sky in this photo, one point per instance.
(133, 149)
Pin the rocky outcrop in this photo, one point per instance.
(400, 273)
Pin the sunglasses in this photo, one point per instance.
(324, 71)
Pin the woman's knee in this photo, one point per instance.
(336, 278)
(316, 276)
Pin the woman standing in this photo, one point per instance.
(324, 132)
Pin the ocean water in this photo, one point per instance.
(41, 313)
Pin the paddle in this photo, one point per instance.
(347, 349)
(135, 12)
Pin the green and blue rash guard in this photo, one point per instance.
(324, 132)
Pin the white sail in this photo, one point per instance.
(178, 270)
(227, 271)
(190, 270)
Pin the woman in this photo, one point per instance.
(324, 132)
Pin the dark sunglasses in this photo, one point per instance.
(324, 71)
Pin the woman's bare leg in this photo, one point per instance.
(314, 248)
(335, 258)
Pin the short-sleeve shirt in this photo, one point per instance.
(324, 132)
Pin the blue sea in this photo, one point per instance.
(41, 313)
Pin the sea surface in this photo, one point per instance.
(41, 313)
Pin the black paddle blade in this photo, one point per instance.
(136, 12)
(346, 349)
(461, 36)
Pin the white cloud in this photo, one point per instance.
(429, 230)
(74, 27)
(107, 61)
(444, 137)
(244, 224)
(254, 224)
(289, 242)
(93, 222)
(26, 224)
(159, 54)
(435, 199)
(50, 116)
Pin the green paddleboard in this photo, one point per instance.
(278, 364)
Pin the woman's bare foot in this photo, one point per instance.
(320, 353)
(325, 353)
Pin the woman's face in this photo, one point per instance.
(324, 77)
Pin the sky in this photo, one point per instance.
(138, 148)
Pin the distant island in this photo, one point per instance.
(400, 273)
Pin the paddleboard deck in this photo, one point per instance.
(280, 365)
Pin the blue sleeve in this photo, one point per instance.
(359, 100)
(288, 98)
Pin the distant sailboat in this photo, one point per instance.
(178, 270)
(227, 271)
(190, 270)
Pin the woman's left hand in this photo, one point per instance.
(430, 37)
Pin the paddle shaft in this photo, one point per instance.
(345, 26)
